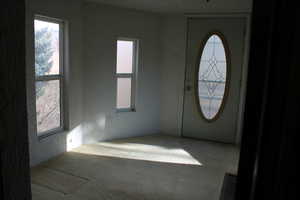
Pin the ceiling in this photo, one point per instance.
(182, 6)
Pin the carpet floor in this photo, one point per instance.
(154, 167)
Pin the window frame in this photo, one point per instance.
(228, 75)
(132, 75)
(60, 77)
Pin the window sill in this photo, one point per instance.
(125, 110)
(52, 132)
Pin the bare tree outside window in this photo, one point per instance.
(48, 75)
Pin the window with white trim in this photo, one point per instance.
(127, 54)
(48, 43)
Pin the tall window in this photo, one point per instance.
(126, 74)
(48, 42)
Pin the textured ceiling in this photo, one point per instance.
(182, 6)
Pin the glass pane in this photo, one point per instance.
(212, 77)
(47, 105)
(124, 93)
(46, 36)
(124, 56)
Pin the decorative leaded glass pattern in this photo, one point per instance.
(212, 77)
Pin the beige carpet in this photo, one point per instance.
(142, 168)
(57, 181)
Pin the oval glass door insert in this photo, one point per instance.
(212, 77)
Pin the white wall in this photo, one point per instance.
(102, 26)
(173, 39)
(91, 84)
(56, 144)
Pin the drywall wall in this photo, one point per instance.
(173, 40)
(90, 86)
(90, 95)
(102, 26)
(41, 150)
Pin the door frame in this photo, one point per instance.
(14, 146)
(270, 140)
(246, 48)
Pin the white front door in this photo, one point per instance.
(215, 52)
